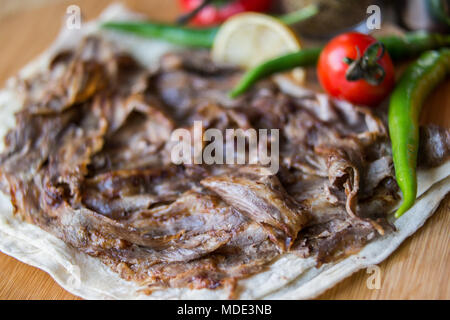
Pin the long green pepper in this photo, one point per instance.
(306, 57)
(404, 111)
(186, 36)
(407, 46)
(192, 37)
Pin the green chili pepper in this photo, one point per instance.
(300, 15)
(410, 45)
(414, 43)
(192, 37)
(404, 110)
(305, 57)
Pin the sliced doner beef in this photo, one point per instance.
(89, 161)
(263, 199)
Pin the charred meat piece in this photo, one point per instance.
(434, 145)
(262, 199)
(72, 78)
(117, 194)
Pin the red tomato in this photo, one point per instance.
(217, 13)
(332, 70)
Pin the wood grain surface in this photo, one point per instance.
(419, 269)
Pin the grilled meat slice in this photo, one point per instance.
(262, 199)
(434, 145)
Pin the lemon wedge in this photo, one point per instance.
(250, 38)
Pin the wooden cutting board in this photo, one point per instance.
(419, 269)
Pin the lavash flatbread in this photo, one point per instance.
(289, 277)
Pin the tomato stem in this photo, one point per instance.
(366, 66)
(184, 19)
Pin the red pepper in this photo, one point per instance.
(220, 10)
